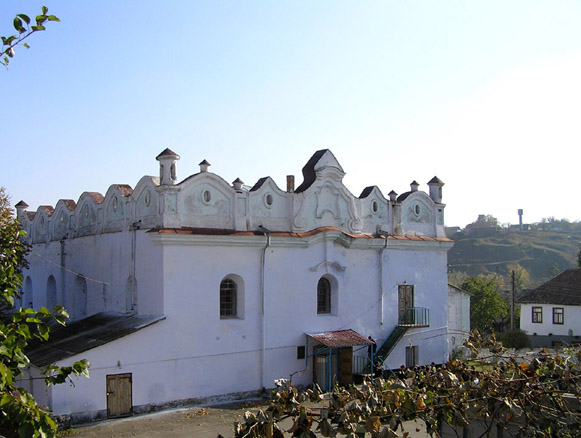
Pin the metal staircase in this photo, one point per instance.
(413, 317)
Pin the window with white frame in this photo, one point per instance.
(537, 315)
(558, 315)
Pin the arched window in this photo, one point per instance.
(80, 297)
(324, 296)
(228, 298)
(51, 293)
(28, 297)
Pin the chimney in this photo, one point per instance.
(414, 185)
(290, 183)
(436, 189)
(392, 196)
(204, 166)
(238, 183)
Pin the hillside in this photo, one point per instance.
(542, 253)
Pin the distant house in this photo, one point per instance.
(551, 313)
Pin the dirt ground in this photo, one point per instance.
(198, 422)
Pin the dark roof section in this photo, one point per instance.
(436, 180)
(564, 289)
(309, 175)
(366, 192)
(403, 196)
(204, 163)
(167, 152)
(86, 334)
(341, 338)
(22, 204)
(259, 184)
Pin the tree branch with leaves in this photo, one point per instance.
(20, 415)
(25, 28)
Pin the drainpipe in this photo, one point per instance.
(63, 275)
(266, 233)
(385, 235)
(133, 302)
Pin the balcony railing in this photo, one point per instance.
(415, 317)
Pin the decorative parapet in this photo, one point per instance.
(205, 200)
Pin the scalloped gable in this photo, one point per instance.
(265, 182)
(320, 161)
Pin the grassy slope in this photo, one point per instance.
(542, 253)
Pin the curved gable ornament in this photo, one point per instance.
(328, 265)
(419, 212)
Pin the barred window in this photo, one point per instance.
(324, 296)
(558, 315)
(538, 314)
(228, 298)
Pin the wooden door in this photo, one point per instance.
(411, 356)
(119, 395)
(405, 299)
(346, 366)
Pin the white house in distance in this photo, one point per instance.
(551, 314)
(183, 291)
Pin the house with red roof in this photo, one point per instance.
(551, 313)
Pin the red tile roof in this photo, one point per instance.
(228, 232)
(340, 338)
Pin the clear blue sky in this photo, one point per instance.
(484, 94)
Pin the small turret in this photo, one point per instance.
(21, 210)
(204, 166)
(436, 189)
(414, 186)
(167, 167)
(238, 183)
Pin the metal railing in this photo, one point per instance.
(415, 317)
(361, 364)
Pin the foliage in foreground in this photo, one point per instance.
(539, 397)
(20, 415)
(24, 27)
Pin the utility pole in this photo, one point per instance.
(512, 305)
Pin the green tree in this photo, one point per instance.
(24, 27)
(487, 307)
(486, 220)
(522, 279)
(20, 415)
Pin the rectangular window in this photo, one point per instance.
(301, 352)
(558, 315)
(538, 315)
